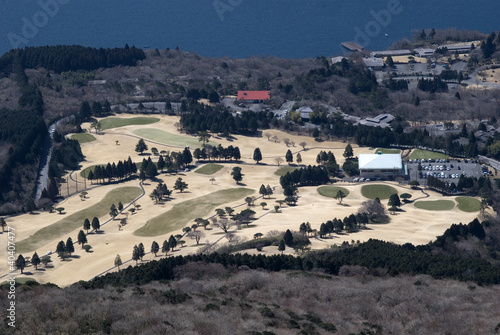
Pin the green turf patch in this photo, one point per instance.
(331, 191)
(468, 204)
(388, 151)
(284, 169)
(209, 168)
(424, 154)
(378, 191)
(85, 172)
(83, 137)
(164, 137)
(115, 122)
(181, 214)
(68, 223)
(437, 205)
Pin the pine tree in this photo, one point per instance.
(61, 249)
(289, 157)
(172, 242)
(35, 260)
(70, 248)
(165, 247)
(288, 238)
(20, 263)
(118, 261)
(281, 246)
(348, 151)
(155, 248)
(136, 254)
(257, 155)
(96, 225)
(82, 238)
(142, 252)
(86, 225)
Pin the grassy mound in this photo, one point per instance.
(68, 223)
(468, 204)
(181, 214)
(209, 168)
(83, 137)
(115, 122)
(331, 191)
(164, 137)
(424, 154)
(378, 191)
(437, 205)
(284, 169)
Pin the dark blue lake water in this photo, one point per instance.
(235, 28)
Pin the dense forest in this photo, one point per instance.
(63, 58)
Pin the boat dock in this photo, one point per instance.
(352, 46)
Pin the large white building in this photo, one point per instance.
(383, 166)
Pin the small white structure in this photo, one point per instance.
(383, 166)
(304, 112)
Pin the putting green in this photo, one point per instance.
(331, 191)
(83, 137)
(68, 223)
(181, 214)
(424, 154)
(164, 137)
(284, 169)
(115, 122)
(468, 204)
(378, 191)
(209, 169)
(436, 205)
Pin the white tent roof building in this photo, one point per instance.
(380, 165)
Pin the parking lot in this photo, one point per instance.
(447, 169)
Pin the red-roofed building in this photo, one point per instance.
(254, 96)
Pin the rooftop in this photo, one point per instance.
(380, 161)
(373, 62)
(254, 95)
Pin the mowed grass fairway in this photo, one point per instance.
(331, 191)
(437, 205)
(468, 204)
(284, 169)
(68, 223)
(424, 154)
(387, 151)
(378, 191)
(115, 122)
(164, 137)
(181, 214)
(83, 138)
(209, 169)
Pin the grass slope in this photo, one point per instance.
(208, 169)
(83, 137)
(331, 191)
(68, 223)
(115, 122)
(164, 137)
(424, 154)
(437, 205)
(189, 210)
(378, 191)
(468, 204)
